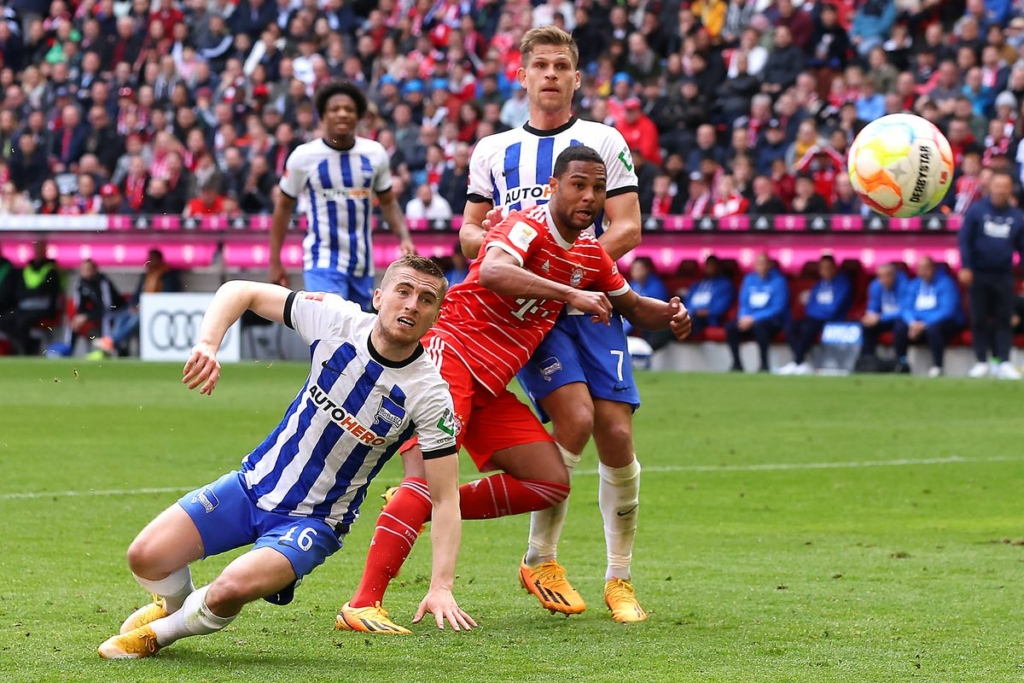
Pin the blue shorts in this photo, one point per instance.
(227, 518)
(355, 288)
(578, 350)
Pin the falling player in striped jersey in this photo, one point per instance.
(581, 376)
(337, 176)
(535, 262)
(370, 387)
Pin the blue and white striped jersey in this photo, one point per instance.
(338, 188)
(354, 411)
(512, 169)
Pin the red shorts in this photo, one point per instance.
(487, 423)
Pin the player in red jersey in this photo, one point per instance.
(535, 262)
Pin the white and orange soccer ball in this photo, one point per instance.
(901, 165)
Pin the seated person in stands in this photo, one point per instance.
(766, 202)
(645, 281)
(710, 298)
(763, 309)
(95, 300)
(931, 313)
(460, 267)
(806, 199)
(829, 301)
(37, 297)
(885, 305)
(158, 277)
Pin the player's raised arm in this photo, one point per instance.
(503, 273)
(442, 476)
(652, 314)
(231, 301)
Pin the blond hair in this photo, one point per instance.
(548, 35)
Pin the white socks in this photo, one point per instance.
(546, 525)
(619, 498)
(173, 589)
(193, 619)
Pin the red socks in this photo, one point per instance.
(399, 523)
(502, 494)
(397, 528)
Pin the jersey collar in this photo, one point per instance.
(553, 229)
(390, 363)
(549, 133)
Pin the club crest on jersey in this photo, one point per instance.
(576, 278)
(390, 412)
(207, 498)
(549, 366)
(538, 193)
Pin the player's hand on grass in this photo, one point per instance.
(594, 303)
(202, 368)
(441, 603)
(680, 323)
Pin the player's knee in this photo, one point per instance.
(144, 560)
(615, 442)
(573, 426)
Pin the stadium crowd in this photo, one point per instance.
(749, 106)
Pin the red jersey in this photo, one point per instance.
(494, 335)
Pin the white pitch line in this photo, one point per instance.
(767, 467)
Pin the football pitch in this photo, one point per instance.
(791, 529)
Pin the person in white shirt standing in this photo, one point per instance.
(339, 175)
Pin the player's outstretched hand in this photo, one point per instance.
(441, 603)
(203, 368)
(594, 303)
(680, 323)
(493, 217)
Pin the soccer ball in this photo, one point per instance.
(901, 165)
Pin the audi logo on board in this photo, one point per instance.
(176, 330)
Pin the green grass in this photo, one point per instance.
(792, 529)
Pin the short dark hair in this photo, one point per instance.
(332, 88)
(575, 153)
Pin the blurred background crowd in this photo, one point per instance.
(742, 106)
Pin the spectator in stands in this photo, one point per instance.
(157, 277)
(700, 201)
(259, 183)
(69, 144)
(886, 295)
(931, 313)
(111, 201)
(763, 309)
(639, 131)
(728, 202)
(765, 202)
(49, 198)
(828, 301)
(209, 202)
(772, 147)
(831, 43)
(29, 166)
(992, 230)
(95, 301)
(966, 188)
(707, 147)
(710, 298)
(644, 280)
(455, 179)
(12, 202)
(662, 200)
(846, 201)
(38, 294)
(806, 199)
(428, 205)
(460, 267)
(785, 62)
(872, 24)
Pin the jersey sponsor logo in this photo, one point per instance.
(546, 267)
(538, 193)
(343, 418)
(627, 159)
(346, 193)
(390, 412)
(576, 278)
(449, 423)
(521, 235)
(207, 498)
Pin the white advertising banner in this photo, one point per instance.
(169, 327)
